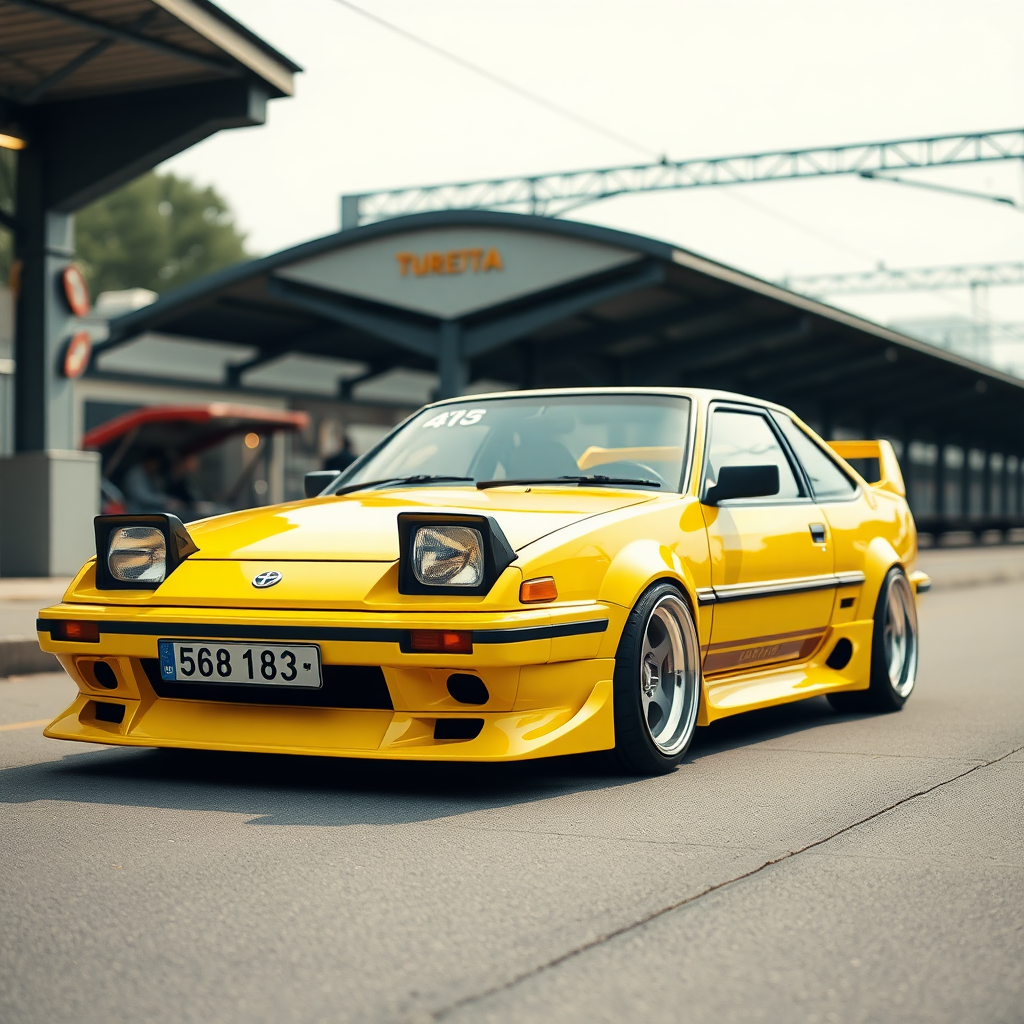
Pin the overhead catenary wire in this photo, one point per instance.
(499, 80)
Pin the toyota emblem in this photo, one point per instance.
(266, 579)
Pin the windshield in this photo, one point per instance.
(637, 438)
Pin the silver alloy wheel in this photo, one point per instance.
(899, 636)
(669, 675)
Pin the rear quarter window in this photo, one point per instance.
(828, 481)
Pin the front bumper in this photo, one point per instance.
(548, 675)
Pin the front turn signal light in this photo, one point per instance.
(441, 641)
(536, 591)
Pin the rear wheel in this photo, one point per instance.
(657, 683)
(893, 650)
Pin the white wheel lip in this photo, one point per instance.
(681, 721)
(899, 636)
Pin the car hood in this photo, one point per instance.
(362, 527)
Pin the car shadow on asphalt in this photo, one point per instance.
(753, 727)
(287, 789)
(279, 789)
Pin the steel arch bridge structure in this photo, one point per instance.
(555, 194)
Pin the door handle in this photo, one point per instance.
(818, 533)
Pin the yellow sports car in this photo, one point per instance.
(509, 576)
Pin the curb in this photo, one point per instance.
(20, 655)
(966, 581)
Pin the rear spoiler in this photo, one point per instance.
(875, 461)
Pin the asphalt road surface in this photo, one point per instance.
(800, 866)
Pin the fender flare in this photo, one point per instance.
(879, 558)
(638, 565)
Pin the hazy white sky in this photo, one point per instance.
(686, 78)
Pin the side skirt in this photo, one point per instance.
(730, 693)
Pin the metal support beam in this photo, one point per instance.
(768, 373)
(234, 372)
(672, 327)
(940, 478)
(881, 396)
(721, 351)
(965, 481)
(816, 378)
(413, 337)
(452, 365)
(42, 87)
(347, 384)
(478, 340)
(554, 194)
(43, 322)
(909, 477)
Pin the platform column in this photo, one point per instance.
(965, 482)
(452, 367)
(48, 491)
(940, 480)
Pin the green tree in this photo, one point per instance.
(159, 231)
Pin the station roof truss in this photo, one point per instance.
(55, 50)
(651, 313)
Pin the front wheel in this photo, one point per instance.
(893, 650)
(657, 683)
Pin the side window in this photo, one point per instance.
(828, 481)
(746, 439)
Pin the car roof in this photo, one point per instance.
(701, 396)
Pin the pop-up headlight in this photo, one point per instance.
(450, 554)
(139, 552)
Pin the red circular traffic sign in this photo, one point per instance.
(76, 355)
(76, 291)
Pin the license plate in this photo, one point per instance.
(189, 661)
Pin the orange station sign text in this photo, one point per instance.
(454, 261)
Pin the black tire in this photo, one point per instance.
(894, 650)
(657, 683)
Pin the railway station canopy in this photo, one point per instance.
(96, 92)
(92, 94)
(537, 302)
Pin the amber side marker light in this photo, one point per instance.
(69, 629)
(441, 641)
(535, 591)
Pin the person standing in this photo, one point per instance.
(341, 459)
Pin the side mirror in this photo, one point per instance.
(743, 482)
(317, 482)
